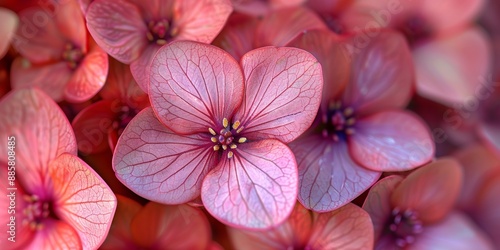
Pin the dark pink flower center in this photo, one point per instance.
(404, 226)
(338, 121)
(36, 212)
(227, 137)
(72, 55)
(333, 22)
(160, 31)
(415, 29)
(126, 114)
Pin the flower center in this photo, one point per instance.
(160, 31)
(72, 55)
(124, 118)
(333, 23)
(416, 29)
(227, 137)
(36, 211)
(404, 225)
(338, 121)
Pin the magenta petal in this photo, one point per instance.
(257, 188)
(491, 135)
(160, 165)
(193, 86)
(118, 27)
(391, 141)
(55, 235)
(328, 177)
(282, 95)
(10, 21)
(140, 68)
(485, 207)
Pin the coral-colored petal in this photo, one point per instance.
(121, 85)
(257, 188)
(75, 31)
(485, 211)
(82, 199)
(200, 20)
(348, 227)
(51, 78)
(41, 133)
(140, 68)
(391, 141)
(84, 5)
(160, 165)
(10, 21)
(450, 15)
(449, 70)
(171, 227)
(252, 7)
(431, 191)
(328, 177)
(237, 36)
(491, 135)
(118, 27)
(56, 235)
(193, 86)
(282, 26)
(456, 231)
(382, 73)
(282, 94)
(120, 234)
(378, 202)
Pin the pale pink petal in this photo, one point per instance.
(485, 211)
(491, 135)
(348, 227)
(82, 199)
(193, 86)
(382, 74)
(120, 234)
(455, 232)
(51, 78)
(285, 3)
(84, 5)
(55, 235)
(118, 27)
(449, 70)
(282, 94)
(160, 165)
(140, 68)
(378, 202)
(431, 191)
(328, 177)
(251, 7)
(237, 36)
(41, 131)
(391, 141)
(10, 21)
(256, 188)
(449, 15)
(155, 9)
(200, 20)
(171, 227)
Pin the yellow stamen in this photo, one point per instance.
(213, 139)
(236, 125)
(212, 131)
(224, 147)
(242, 139)
(161, 42)
(230, 154)
(350, 121)
(225, 122)
(240, 129)
(233, 146)
(349, 131)
(348, 111)
(216, 147)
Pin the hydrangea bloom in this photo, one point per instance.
(219, 128)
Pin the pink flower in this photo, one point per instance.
(259, 7)
(331, 11)
(416, 212)
(361, 128)
(10, 21)
(60, 202)
(58, 56)
(348, 227)
(220, 128)
(133, 31)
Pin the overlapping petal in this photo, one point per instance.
(10, 22)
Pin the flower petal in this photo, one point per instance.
(491, 135)
(193, 86)
(237, 36)
(257, 188)
(10, 21)
(82, 199)
(75, 31)
(118, 28)
(391, 141)
(382, 73)
(348, 227)
(449, 15)
(120, 235)
(121, 85)
(140, 68)
(56, 235)
(431, 190)
(41, 133)
(282, 94)
(450, 69)
(160, 165)
(328, 177)
(485, 211)
(378, 202)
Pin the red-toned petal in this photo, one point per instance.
(171, 227)
(391, 141)
(378, 202)
(193, 86)
(257, 188)
(140, 68)
(449, 15)
(50, 78)
(93, 124)
(200, 20)
(75, 31)
(160, 165)
(491, 135)
(121, 85)
(82, 199)
(431, 191)
(56, 235)
(10, 21)
(118, 27)
(282, 26)
(328, 177)
(382, 74)
(282, 94)
(456, 231)
(41, 133)
(252, 7)
(348, 227)
(485, 210)
(449, 70)
(84, 5)
(237, 36)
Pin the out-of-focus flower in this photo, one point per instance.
(220, 128)
(133, 31)
(331, 12)
(348, 227)
(57, 56)
(60, 202)
(259, 7)
(361, 128)
(8, 27)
